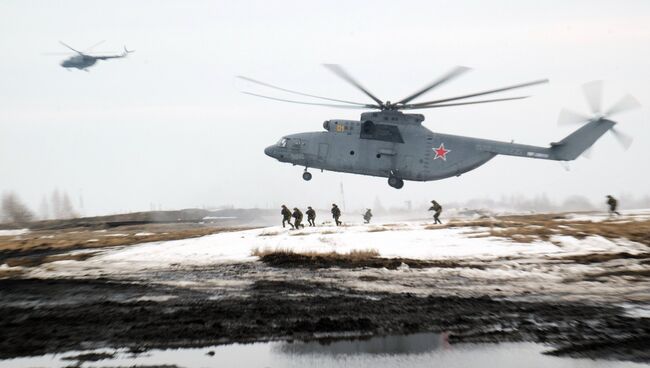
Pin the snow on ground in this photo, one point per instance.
(413, 239)
(476, 263)
(13, 232)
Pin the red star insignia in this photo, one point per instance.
(441, 152)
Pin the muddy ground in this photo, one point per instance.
(45, 316)
(293, 296)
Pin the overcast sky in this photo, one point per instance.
(168, 125)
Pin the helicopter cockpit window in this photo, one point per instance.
(282, 142)
(380, 132)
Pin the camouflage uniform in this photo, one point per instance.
(612, 203)
(367, 216)
(286, 216)
(438, 210)
(297, 214)
(311, 216)
(336, 214)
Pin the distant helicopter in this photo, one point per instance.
(83, 60)
(391, 144)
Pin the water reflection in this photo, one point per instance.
(400, 344)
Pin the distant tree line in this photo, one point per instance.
(53, 207)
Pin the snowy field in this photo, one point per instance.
(484, 264)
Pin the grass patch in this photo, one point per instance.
(529, 228)
(377, 229)
(367, 258)
(353, 255)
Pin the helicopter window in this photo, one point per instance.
(283, 142)
(380, 132)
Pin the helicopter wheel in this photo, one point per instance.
(306, 176)
(395, 182)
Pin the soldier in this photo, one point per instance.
(367, 216)
(336, 214)
(297, 214)
(612, 203)
(311, 216)
(286, 216)
(438, 210)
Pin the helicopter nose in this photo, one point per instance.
(269, 151)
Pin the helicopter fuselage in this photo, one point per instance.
(79, 62)
(394, 145)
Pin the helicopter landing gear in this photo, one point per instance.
(395, 182)
(306, 175)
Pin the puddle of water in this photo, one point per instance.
(417, 350)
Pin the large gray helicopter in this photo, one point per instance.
(83, 60)
(391, 144)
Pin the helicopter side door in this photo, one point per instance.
(323, 150)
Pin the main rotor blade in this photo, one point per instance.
(527, 84)
(312, 103)
(568, 117)
(594, 94)
(418, 106)
(338, 70)
(296, 92)
(88, 49)
(450, 75)
(623, 139)
(628, 102)
(77, 51)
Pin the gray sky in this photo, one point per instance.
(168, 126)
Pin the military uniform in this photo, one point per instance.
(311, 216)
(297, 214)
(336, 214)
(367, 216)
(438, 210)
(286, 216)
(612, 203)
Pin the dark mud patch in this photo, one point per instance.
(89, 357)
(316, 261)
(602, 257)
(33, 259)
(296, 310)
(37, 293)
(633, 275)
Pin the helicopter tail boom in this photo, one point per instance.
(569, 148)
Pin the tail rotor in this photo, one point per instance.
(593, 92)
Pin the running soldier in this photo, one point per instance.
(286, 216)
(311, 216)
(438, 210)
(367, 216)
(612, 203)
(297, 214)
(336, 214)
